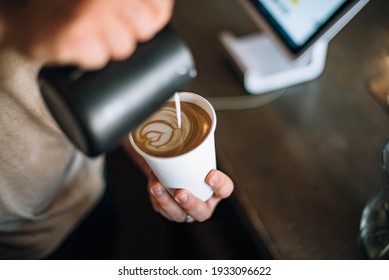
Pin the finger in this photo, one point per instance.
(119, 40)
(158, 209)
(83, 49)
(140, 18)
(152, 185)
(196, 208)
(148, 17)
(166, 203)
(162, 10)
(93, 57)
(221, 184)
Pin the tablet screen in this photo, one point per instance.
(299, 22)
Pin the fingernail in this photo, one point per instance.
(157, 191)
(183, 197)
(214, 179)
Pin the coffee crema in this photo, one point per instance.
(160, 135)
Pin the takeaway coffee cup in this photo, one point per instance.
(180, 157)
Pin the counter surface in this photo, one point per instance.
(305, 164)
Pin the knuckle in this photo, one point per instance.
(225, 192)
(93, 63)
(178, 218)
(224, 189)
(125, 50)
(163, 200)
(189, 207)
(146, 33)
(165, 8)
(145, 27)
(151, 20)
(95, 58)
(152, 185)
(123, 45)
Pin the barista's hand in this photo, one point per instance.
(83, 32)
(183, 203)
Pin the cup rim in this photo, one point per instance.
(210, 110)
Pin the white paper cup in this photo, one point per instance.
(189, 170)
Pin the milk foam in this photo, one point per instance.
(160, 135)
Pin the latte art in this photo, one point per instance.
(160, 135)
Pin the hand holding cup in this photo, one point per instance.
(180, 157)
(183, 203)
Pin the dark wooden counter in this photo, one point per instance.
(305, 164)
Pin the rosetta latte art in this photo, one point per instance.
(160, 135)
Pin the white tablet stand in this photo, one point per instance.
(264, 67)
